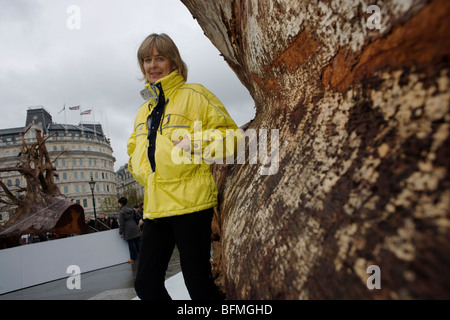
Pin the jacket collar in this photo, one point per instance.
(170, 82)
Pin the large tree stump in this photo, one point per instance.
(363, 119)
(39, 207)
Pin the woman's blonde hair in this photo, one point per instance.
(166, 47)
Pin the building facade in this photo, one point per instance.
(79, 152)
(128, 187)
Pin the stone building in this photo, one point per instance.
(80, 153)
(128, 187)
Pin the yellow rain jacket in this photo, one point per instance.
(181, 182)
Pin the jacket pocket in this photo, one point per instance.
(171, 161)
(175, 120)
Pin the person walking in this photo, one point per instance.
(128, 229)
(171, 158)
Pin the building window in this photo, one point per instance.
(65, 176)
(9, 183)
(75, 175)
(63, 162)
(82, 175)
(85, 203)
(17, 182)
(77, 189)
(83, 188)
(74, 162)
(66, 189)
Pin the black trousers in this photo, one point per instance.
(191, 233)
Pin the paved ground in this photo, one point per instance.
(113, 283)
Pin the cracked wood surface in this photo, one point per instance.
(363, 118)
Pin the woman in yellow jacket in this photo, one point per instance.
(178, 132)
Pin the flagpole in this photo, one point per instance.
(81, 121)
(65, 118)
(93, 117)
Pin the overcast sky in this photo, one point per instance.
(46, 61)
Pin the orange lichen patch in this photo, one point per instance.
(271, 84)
(298, 52)
(412, 44)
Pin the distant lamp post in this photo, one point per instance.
(92, 185)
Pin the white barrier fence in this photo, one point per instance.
(29, 265)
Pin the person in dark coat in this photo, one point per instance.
(128, 229)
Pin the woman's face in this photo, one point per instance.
(156, 66)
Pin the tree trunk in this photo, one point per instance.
(363, 120)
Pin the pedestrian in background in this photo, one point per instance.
(128, 229)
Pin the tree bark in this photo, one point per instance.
(364, 150)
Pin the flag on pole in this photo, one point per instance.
(64, 108)
(74, 108)
(82, 113)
